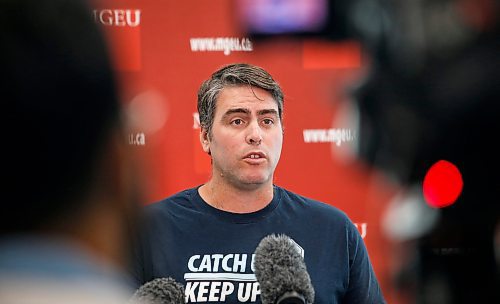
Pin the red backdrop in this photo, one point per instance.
(161, 68)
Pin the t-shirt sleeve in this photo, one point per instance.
(363, 285)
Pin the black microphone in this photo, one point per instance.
(281, 272)
(160, 291)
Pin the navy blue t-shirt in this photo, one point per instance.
(211, 251)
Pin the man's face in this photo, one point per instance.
(246, 138)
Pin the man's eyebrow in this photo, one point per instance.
(267, 111)
(236, 110)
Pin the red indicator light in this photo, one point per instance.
(442, 184)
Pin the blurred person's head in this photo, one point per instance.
(65, 167)
(431, 96)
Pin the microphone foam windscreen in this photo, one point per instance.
(160, 291)
(280, 268)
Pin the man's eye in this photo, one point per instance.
(268, 121)
(237, 122)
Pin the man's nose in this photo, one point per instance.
(254, 135)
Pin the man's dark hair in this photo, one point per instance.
(59, 105)
(236, 74)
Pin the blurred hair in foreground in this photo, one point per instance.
(68, 205)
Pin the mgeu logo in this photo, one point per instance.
(118, 17)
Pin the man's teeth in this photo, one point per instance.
(254, 156)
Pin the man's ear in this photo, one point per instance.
(205, 140)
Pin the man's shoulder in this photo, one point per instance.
(311, 205)
(182, 199)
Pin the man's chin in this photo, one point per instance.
(253, 183)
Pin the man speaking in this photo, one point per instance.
(205, 236)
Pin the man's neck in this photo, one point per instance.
(237, 200)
